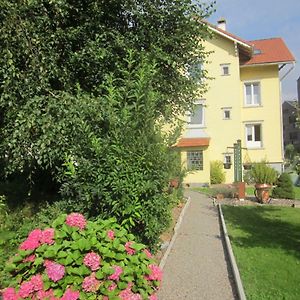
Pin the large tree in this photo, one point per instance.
(84, 88)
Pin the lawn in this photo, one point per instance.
(266, 244)
(249, 191)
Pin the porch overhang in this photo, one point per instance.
(192, 142)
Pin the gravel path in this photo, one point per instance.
(196, 267)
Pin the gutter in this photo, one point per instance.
(288, 71)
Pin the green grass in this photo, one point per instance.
(249, 191)
(266, 244)
(204, 190)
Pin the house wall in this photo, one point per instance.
(201, 176)
(223, 93)
(268, 113)
(227, 91)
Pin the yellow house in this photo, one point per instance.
(243, 102)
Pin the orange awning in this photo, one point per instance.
(192, 142)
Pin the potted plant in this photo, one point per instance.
(264, 177)
(247, 162)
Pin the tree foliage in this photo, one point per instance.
(85, 88)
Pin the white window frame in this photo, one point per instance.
(223, 66)
(225, 109)
(252, 83)
(252, 144)
(200, 166)
(189, 116)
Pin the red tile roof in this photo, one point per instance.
(192, 142)
(272, 50)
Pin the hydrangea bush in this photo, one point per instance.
(79, 259)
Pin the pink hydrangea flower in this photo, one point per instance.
(127, 294)
(90, 283)
(38, 237)
(105, 298)
(29, 244)
(47, 236)
(153, 297)
(117, 273)
(42, 295)
(92, 260)
(26, 289)
(148, 253)
(76, 220)
(9, 294)
(112, 287)
(37, 282)
(111, 234)
(54, 270)
(156, 273)
(128, 248)
(70, 295)
(30, 258)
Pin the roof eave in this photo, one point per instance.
(268, 64)
(245, 45)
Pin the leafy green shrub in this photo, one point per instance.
(262, 173)
(284, 188)
(217, 175)
(78, 258)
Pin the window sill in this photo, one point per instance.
(195, 126)
(255, 148)
(252, 106)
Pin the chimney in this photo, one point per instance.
(222, 24)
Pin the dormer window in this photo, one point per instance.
(256, 51)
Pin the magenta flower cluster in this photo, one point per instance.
(76, 220)
(116, 275)
(38, 237)
(91, 283)
(35, 287)
(111, 234)
(54, 270)
(92, 260)
(129, 249)
(156, 273)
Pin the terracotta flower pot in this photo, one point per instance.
(262, 192)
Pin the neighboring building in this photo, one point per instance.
(291, 134)
(243, 102)
(298, 90)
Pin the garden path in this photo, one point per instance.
(197, 267)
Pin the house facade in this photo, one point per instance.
(243, 102)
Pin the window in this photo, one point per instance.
(226, 113)
(196, 118)
(195, 160)
(253, 136)
(195, 72)
(252, 94)
(225, 69)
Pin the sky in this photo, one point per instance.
(259, 19)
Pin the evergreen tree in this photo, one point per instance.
(284, 188)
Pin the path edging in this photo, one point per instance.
(176, 228)
(234, 267)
